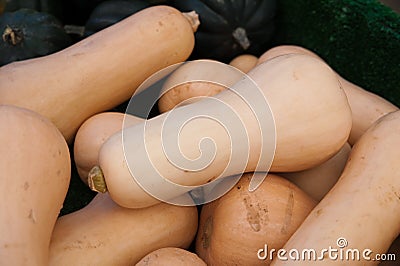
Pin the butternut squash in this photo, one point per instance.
(284, 49)
(101, 71)
(92, 134)
(103, 233)
(244, 62)
(366, 107)
(194, 80)
(317, 181)
(35, 171)
(171, 257)
(313, 129)
(361, 213)
(234, 228)
(201, 78)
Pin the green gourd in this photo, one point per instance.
(54, 7)
(27, 33)
(229, 28)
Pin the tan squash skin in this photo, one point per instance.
(103, 233)
(244, 62)
(92, 134)
(234, 227)
(99, 72)
(290, 154)
(284, 49)
(318, 180)
(364, 205)
(171, 257)
(193, 80)
(189, 91)
(34, 178)
(311, 131)
(366, 106)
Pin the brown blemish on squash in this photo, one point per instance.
(77, 54)
(57, 153)
(31, 216)
(13, 245)
(266, 217)
(295, 76)
(207, 232)
(79, 244)
(253, 216)
(325, 256)
(146, 260)
(288, 213)
(26, 185)
(397, 195)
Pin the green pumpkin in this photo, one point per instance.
(231, 27)
(110, 12)
(27, 33)
(53, 7)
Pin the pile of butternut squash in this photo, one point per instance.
(335, 171)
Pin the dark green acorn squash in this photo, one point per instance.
(110, 12)
(53, 7)
(231, 27)
(27, 33)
